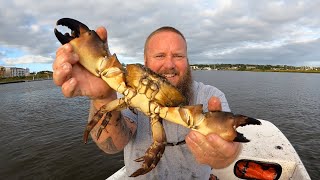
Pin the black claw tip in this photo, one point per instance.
(66, 38)
(240, 138)
(253, 121)
(248, 121)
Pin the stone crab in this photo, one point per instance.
(145, 91)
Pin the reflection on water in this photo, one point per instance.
(41, 131)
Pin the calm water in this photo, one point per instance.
(41, 131)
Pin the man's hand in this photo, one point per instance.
(212, 149)
(75, 80)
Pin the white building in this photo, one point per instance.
(16, 72)
(2, 71)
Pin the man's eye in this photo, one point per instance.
(159, 56)
(179, 56)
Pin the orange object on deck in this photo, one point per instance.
(250, 169)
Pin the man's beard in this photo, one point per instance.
(184, 85)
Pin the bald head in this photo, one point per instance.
(159, 30)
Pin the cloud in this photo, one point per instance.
(2, 54)
(29, 59)
(226, 31)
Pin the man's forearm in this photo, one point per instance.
(117, 133)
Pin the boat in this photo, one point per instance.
(268, 155)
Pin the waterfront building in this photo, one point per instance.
(14, 72)
(2, 71)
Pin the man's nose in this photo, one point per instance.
(169, 62)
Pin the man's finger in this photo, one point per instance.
(221, 145)
(69, 88)
(102, 33)
(62, 74)
(196, 142)
(64, 54)
(66, 48)
(214, 104)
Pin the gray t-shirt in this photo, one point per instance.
(177, 161)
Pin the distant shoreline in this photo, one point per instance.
(281, 71)
(10, 82)
(256, 68)
(21, 81)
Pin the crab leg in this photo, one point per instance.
(104, 115)
(154, 152)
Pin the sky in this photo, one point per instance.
(217, 31)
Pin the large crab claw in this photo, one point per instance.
(222, 123)
(93, 52)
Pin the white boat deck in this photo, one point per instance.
(268, 144)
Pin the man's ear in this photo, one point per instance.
(145, 60)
